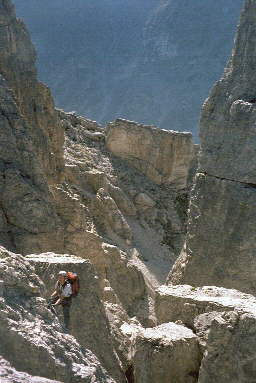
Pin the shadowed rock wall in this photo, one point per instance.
(220, 247)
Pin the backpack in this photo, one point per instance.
(75, 283)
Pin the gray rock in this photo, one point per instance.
(31, 145)
(89, 324)
(184, 302)
(122, 200)
(8, 374)
(167, 353)
(32, 338)
(144, 201)
(230, 347)
(220, 246)
(227, 128)
(111, 216)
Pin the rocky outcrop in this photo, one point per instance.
(88, 316)
(17, 66)
(220, 249)
(229, 343)
(92, 197)
(31, 223)
(8, 374)
(184, 303)
(121, 206)
(31, 145)
(224, 322)
(173, 352)
(163, 156)
(32, 338)
(85, 201)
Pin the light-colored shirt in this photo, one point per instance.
(65, 291)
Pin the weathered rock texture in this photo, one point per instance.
(80, 198)
(17, 65)
(184, 302)
(89, 324)
(164, 156)
(8, 374)
(63, 191)
(167, 353)
(230, 347)
(31, 145)
(223, 320)
(32, 339)
(220, 247)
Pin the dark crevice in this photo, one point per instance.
(129, 374)
(245, 184)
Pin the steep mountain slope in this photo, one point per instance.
(140, 60)
(65, 189)
(220, 246)
(116, 197)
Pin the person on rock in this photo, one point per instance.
(62, 295)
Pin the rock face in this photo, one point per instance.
(106, 200)
(32, 338)
(8, 374)
(164, 156)
(87, 313)
(62, 191)
(31, 145)
(230, 347)
(173, 352)
(64, 197)
(185, 303)
(220, 249)
(223, 320)
(17, 65)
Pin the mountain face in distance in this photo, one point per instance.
(144, 60)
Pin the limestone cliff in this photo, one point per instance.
(17, 64)
(220, 246)
(65, 189)
(111, 205)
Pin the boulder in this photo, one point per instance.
(166, 353)
(163, 156)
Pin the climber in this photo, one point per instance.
(62, 295)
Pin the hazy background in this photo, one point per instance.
(151, 61)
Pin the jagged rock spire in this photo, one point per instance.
(220, 247)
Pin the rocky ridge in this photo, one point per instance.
(105, 215)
